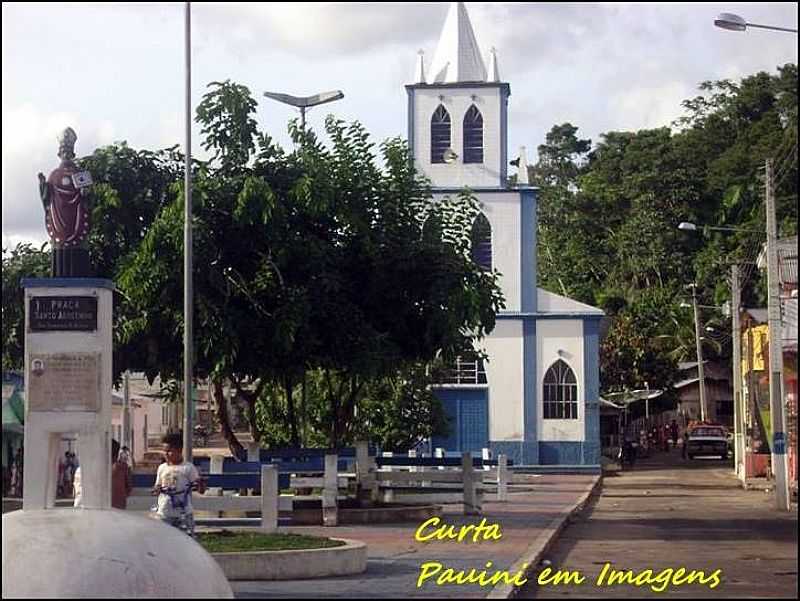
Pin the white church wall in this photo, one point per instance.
(504, 371)
(457, 101)
(502, 209)
(560, 339)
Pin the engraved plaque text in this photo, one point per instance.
(64, 382)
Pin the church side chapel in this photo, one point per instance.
(536, 399)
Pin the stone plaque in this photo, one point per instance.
(65, 382)
(63, 313)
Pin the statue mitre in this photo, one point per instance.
(66, 143)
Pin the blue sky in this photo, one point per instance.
(116, 71)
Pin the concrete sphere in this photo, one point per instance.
(104, 553)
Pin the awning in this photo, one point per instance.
(633, 396)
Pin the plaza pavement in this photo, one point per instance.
(529, 522)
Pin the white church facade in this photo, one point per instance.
(536, 399)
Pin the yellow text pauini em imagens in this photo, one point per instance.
(438, 574)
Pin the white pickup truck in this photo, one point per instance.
(707, 440)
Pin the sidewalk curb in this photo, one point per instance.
(536, 550)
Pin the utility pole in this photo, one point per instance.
(188, 294)
(700, 371)
(738, 406)
(777, 407)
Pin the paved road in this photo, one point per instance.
(672, 513)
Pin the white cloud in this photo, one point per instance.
(119, 75)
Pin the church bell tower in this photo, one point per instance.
(458, 112)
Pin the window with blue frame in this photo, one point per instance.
(440, 134)
(560, 392)
(473, 136)
(482, 242)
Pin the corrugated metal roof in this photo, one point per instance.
(787, 260)
(683, 383)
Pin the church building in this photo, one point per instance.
(536, 399)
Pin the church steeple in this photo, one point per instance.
(458, 112)
(457, 57)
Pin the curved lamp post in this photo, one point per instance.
(305, 102)
(733, 22)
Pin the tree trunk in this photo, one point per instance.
(304, 411)
(255, 431)
(333, 401)
(221, 407)
(287, 383)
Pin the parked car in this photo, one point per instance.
(707, 440)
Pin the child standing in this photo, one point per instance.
(175, 481)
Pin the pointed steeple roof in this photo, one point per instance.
(457, 57)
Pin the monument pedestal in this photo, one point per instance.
(94, 551)
(68, 379)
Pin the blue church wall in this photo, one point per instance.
(528, 248)
(530, 405)
(467, 410)
(561, 453)
(591, 353)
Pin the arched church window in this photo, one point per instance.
(440, 134)
(473, 136)
(560, 392)
(482, 242)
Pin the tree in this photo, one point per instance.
(23, 261)
(609, 216)
(315, 259)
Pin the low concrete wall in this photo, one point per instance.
(295, 565)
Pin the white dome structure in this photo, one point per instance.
(104, 553)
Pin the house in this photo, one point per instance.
(718, 389)
(537, 398)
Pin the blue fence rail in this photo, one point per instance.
(247, 474)
(225, 481)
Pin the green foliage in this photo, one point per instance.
(23, 261)
(608, 218)
(313, 260)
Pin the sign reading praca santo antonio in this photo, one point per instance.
(63, 313)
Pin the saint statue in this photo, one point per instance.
(67, 212)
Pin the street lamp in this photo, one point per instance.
(698, 342)
(733, 22)
(306, 102)
(776, 397)
(692, 227)
(732, 310)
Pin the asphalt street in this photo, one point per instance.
(669, 512)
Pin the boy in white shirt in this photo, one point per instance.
(175, 481)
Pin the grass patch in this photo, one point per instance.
(237, 542)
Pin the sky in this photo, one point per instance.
(116, 71)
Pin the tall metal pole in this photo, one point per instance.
(700, 370)
(738, 405)
(776, 399)
(188, 400)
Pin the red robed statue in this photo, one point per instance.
(66, 211)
